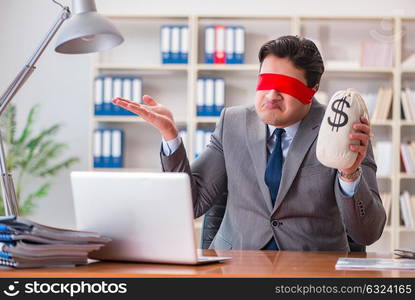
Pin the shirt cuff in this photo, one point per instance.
(169, 147)
(348, 188)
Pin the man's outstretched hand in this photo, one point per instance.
(154, 113)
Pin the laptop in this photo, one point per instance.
(148, 216)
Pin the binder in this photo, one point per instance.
(137, 93)
(165, 44)
(117, 138)
(219, 97)
(209, 100)
(108, 89)
(239, 44)
(200, 101)
(98, 149)
(219, 56)
(98, 95)
(175, 44)
(117, 92)
(209, 44)
(127, 93)
(106, 148)
(230, 45)
(184, 44)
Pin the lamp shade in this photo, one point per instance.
(87, 31)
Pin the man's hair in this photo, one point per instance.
(302, 52)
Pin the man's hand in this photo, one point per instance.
(363, 135)
(154, 113)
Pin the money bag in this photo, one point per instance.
(343, 110)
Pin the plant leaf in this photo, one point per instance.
(47, 151)
(54, 169)
(28, 204)
(28, 126)
(34, 142)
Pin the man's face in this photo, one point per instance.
(275, 108)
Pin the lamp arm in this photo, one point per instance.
(29, 67)
(8, 190)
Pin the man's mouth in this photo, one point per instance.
(271, 105)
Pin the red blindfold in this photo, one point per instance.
(287, 85)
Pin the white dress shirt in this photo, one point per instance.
(348, 188)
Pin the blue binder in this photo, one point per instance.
(165, 44)
(209, 44)
(97, 153)
(239, 44)
(98, 95)
(117, 148)
(184, 45)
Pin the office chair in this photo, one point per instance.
(213, 219)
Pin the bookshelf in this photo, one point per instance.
(174, 85)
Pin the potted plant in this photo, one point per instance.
(31, 156)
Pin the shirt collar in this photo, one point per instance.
(289, 130)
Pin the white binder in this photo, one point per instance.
(219, 95)
(106, 148)
(184, 44)
(137, 90)
(165, 44)
(97, 148)
(209, 95)
(230, 45)
(200, 101)
(175, 43)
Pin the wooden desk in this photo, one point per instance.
(243, 264)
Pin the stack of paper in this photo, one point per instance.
(344, 263)
(25, 244)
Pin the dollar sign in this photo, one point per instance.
(339, 112)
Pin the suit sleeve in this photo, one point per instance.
(207, 173)
(363, 214)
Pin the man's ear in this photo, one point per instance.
(315, 87)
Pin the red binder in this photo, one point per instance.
(219, 57)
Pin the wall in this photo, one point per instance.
(61, 82)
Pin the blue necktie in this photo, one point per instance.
(273, 174)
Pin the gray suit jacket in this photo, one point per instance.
(310, 212)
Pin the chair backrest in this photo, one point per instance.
(213, 219)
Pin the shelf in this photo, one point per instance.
(341, 71)
(128, 119)
(406, 229)
(408, 70)
(207, 119)
(137, 68)
(407, 176)
(345, 18)
(228, 67)
(383, 177)
(358, 69)
(407, 123)
(381, 123)
(246, 17)
(137, 17)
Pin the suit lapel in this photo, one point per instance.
(305, 136)
(257, 146)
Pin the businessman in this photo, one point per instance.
(264, 156)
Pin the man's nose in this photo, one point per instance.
(273, 94)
